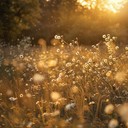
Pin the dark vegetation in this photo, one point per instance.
(46, 18)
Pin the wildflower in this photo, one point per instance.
(73, 59)
(109, 109)
(52, 63)
(21, 56)
(110, 57)
(38, 78)
(114, 59)
(58, 50)
(117, 47)
(92, 102)
(61, 74)
(74, 82)
(55, 96)
(110, 63)
(41, 64)
(70, 106)
(96, 65)
(104, 36)
(68, 64)
(2, 116)
(86, 65)
(77, 53)
(57, 37)
(108, 74)
(123, 111)
(105, 60)
(107, 100)
(21, 95)
(126, 48)
(75, 89)
(28, 95)
(108, 35)
(59, 80)
(120, 76)
(26, 84)
(114, 38)
(113, 123)
(12, 99)
(90, 60)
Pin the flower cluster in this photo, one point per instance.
(64, 85)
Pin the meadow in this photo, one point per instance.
(65, 85)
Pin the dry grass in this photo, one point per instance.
(64, 86)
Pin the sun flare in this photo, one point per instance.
(109, 5)
(115, 5)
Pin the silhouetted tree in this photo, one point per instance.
(17, 16)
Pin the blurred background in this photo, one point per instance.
(86, 20)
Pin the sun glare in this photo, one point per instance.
(109, 5)
(115, 5)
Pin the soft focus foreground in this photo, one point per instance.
(64, 85)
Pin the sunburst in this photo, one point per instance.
(115, 5)
(109, 5)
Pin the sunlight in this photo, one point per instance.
(109, 5)
(115, 5)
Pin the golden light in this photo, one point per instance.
(115, 5)
(106, 5)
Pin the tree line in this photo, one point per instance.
(46, 18)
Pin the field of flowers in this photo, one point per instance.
(64, 85)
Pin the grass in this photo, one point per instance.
(64, 85)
